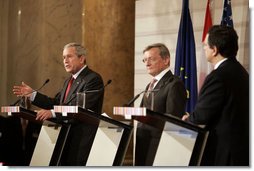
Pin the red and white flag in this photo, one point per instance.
(205, 67)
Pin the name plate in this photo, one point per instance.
(127, 112)
(65, 109)
(10, 109)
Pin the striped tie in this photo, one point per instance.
(151, 86)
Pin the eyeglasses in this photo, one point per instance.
(149, 60)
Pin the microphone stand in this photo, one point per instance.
(137, 96)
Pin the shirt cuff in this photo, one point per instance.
(32, 97)
(53, 113)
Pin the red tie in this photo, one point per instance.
(68, 88)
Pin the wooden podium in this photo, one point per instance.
(109, 145)
(181, 143)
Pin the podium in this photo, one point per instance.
(111, 140)
(181, 143)
(48, 137)
(109, 145)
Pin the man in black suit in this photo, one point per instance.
(169, 99)
(80, 137)
(223, 103)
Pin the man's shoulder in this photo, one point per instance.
(87, 71)
(90, 75)
(171, 77)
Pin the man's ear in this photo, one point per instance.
(83, 59)
(167, 61)
(215, 51)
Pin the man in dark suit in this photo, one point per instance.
(80, 137)
(169, 99)
(223, 103)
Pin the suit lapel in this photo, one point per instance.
(163, 81)
(76, 85)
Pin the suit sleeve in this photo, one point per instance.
(176, 99)
(94, 100)
(210, 101)
(46, 102)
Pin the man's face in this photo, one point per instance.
(72, 63)
(154, 62)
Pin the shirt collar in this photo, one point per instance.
(160, 75)
(218, 63)
(77, 74)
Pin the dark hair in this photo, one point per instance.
(225, 39)
(164, 52)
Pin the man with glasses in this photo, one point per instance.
(170, 99)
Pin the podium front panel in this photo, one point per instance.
(106, 141)
(48, 147)
(110, 142)
(111, 139)
(181, 143)
(45, 144)
(176, 146)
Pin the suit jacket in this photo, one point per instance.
(80, 137)
(223, 106)
(87, 80)
(169, 99)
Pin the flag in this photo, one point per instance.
(185, 63)
(227, 18)
(204, 66)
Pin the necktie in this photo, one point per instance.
(68, 88)
(151, 86)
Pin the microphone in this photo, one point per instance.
(137, 96)
(16, 102)
(90, 91)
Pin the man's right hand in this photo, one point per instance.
(22, 90)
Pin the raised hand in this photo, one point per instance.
(22, 90)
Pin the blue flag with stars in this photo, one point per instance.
(227, 18)
(185, 64)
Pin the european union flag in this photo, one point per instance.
(227, 18)
(185, 64)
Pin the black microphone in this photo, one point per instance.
(47, 80)
(89, 91)
(137, 96)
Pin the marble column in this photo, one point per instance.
(33, 34)
(109, 33)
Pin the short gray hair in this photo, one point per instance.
(80, 50)
(164, 52)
